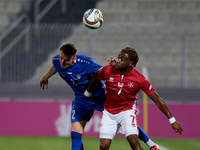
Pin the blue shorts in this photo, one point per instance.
(84, 111)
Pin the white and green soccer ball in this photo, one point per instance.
(93, 18)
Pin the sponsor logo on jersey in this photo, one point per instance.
(111, 79)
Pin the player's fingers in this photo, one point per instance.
(47, 86)
(108, 62)
(113, 60)
(92, 101)
(40, 85)
(179, 130)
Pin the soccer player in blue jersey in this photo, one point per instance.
(77, 70)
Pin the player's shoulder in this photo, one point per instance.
(109, 67)
(137, 74)
(87, 62)
(56, 58)
(83, 59)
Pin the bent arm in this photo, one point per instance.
(46, 76)
(94, 81)
(50, 72)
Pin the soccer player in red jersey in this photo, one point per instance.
(123, 82)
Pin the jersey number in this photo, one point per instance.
(73, 113)
(120, 85)
(133, 124)
(120, 89)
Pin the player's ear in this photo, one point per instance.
(74, 58)
(131, 63)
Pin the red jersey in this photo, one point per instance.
(122, 89)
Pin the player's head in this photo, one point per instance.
(132, 54)
(127, 59)
(67, 55)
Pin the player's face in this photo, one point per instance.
(123, 62)
(66, 60)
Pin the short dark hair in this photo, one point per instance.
(68, 49)
(133, 55)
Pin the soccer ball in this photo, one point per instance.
(93, 18)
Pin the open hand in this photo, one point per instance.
(111, 61)
(43, 83)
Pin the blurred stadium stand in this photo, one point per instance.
(166, 35)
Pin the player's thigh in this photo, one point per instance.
(108, 127)
(80, 113)
(129, 122)
(79, 126)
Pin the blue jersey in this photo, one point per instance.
(78, 77)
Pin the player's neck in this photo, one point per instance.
(123, 72)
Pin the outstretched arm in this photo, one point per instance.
(94, 80)
(46, 76)
(163, 107)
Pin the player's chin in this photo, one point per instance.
(116, 67)
(64, 67)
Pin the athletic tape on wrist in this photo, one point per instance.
(87, 94)
(172, 120)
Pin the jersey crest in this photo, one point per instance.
(120, 85)
(78, 76)
(130, 85)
